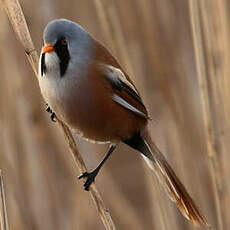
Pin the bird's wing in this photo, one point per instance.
(123, 91)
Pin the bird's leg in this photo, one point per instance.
(52, 114)
(91, 175)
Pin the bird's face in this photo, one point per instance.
(55, 56)
(65, 42)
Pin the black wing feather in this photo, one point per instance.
(43, 65)
(120, 85)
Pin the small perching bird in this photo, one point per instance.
(90, 92)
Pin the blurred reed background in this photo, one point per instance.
(177, 53)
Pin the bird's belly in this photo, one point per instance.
(86, 118)
(101, 121)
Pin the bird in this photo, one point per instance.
(86, 87)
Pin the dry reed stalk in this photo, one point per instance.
(3, 213)
(211, 36)
(17, 19)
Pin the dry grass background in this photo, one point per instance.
(180, 66)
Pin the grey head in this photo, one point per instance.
(71, 46)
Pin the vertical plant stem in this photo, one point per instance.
(209, 23)
(17, 19)
(3, 212)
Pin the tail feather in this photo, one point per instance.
(174, 188)
(172, 184)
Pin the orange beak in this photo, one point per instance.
(47, 48)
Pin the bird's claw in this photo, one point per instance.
(52, 114)
(52, 117)
(90, 178)
(48, 109)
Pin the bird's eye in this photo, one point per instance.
(64, 41)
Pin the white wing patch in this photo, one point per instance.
(125, 104)
(116, 74)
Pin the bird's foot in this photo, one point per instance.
(90, 178)
(52, 114)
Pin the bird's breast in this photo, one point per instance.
(85, 104)
(74, 102)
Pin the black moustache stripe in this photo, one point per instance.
(63, 54)
(43, 65)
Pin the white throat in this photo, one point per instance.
(52, 63)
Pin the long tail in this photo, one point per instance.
(167, 177)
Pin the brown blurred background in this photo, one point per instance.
(42, 189)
